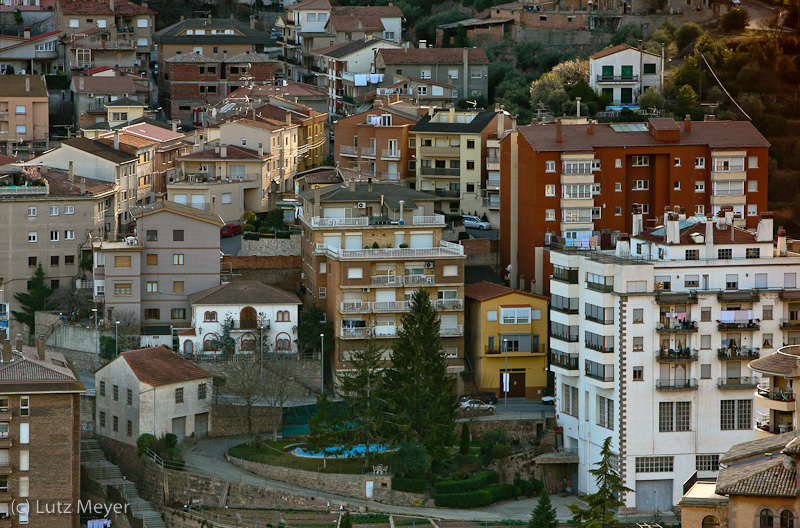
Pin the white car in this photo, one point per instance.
(476, 405)
(473, 222)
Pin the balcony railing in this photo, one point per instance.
(445, 193)
(676, 384)
(677, 327)
(360, 221)
(391, 176)
(738, 353)
(248, 324)
(597, 375)
(451, 330)
(536, 348)
(390, 154)
(348, 150)
(570, 338)
(566, 361)
(383, 331)
(742, 382)
(386, 280)
(676, 355)
(23, 190)
(597, 346)
(428, 220)
(748, 325)
(776, 393)
(492, 161)
(434, 171)
(349, 100)
(790, 323)
(617, 78)
(418, 280)
(96, 107)
(448, 304)
(368, 151)
(491, 202)
(446, 249)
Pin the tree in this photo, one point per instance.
(652, 98)
(686, 34)
(418, 397)
(734, 20)
(464, 447)
(687, 100)
(309, 328)
(276, 374)
(544, 514)
(225, 343)
(69, 300)
(243, 384)
(36, 299)
(324, 426)
(411, 460)
(603, 503)
(346, 521)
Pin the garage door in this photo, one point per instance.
(179, 428)
(201, 425)
(653, 495)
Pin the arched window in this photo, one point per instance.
(248, 344)
(787, 519)
(248, 318)
(765, 518)
(188, 347)
(286, 317)
(709, 521)
(282, 316)
(283, 343)
(210, 342)
(210, 317)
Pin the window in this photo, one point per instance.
(641, 161)
(227, 198)
(617, 211)
(54, 236)
(141, 22)
(54, 260)
(470, 143)
(787, 519)
(201, 391)
(707, 463)
(699, 187)
(54, 284)
(766, 340)
(24, 460)
(102, 388)
(752, 210)
(736, 414)
(450, 270)
(677, 163)
(178, 313)
(729, 164)
(725, 254)
(705, 371)
(355, 273)
(752, 253)
(470, 166)
(177, 235)
(641, 185)
(24, 489)
(569, 400)
(705, 314)
(605, 412)
(116, 424)
(73, 23)
(102, 419)
(388, 35)
(116, 392)
(638, 315)
(692, 254)
(152, 287)
(122, 288)
(152, 235)
(69, 234)
(515, 315)
(53, 210)
(476, 74)
(130, 397)
(550, 166)
(177, 286)
(700, 209)
(179, 395)
(650, 69)
(598, 314)
(674, 416)
(765, 518)
(24, 406)
(129, 429)
(152, 259)
(20, 110)
(638, 344)
(752, 186)
(731, 281)
(705, 342)
(425, 73)
(699, 163)
(152, 313)
(618, 187)
(491, 315)
(31, 211)
(177, 259)
(638, 373)
(654, 464)
(323, 293)
(732, 188)
(550, 215)
(32, 262)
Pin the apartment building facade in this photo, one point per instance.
(366, 248)
(174, 253)
(667, 324)
(24, 115)
(623, 73)
(92, 96)
(33, 54)
(574, 181)
(776, 394)
(48, 225)
(145, 151)
(39, 455)
(380, 141)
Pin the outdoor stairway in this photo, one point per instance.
(105, 473)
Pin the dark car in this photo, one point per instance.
(230, 229)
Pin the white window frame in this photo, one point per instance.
(699, 163)
(641, 161)
(69, 234)
(549, 166)
(699, 186)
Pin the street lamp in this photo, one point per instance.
(506, 376)
(96, 340)
(116, 338)
(322, 363)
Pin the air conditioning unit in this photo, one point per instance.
(362, 205)
(365, 290)
(429, 265)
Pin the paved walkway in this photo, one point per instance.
(209, 454)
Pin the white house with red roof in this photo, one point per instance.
(36, 54)
(155, 391)
(624, 73)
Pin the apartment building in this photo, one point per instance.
(116, 33)
(623, 73)
(351, 22)
(174, 253)
(324, 176)
(466, 69)
(366, 248)
(24, 115)
(451, 155)
(667, 324)
(32, 54)
(49, 224)
(506, 333)
(775, 394)
(348, 70)
(145, 151)
(95, 159)
(152, 390)
(308, 95)
(574, 181)
(94, 96)
(8, 6)
(39, 455)
(380, 141)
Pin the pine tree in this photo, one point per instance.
(464, 447)
(604, 502)
(36, 299)
(419, 401)
(544, 514)
(346, 521)
(324, 426)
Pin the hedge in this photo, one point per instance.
(471, 499)
(529, 487)
(481, 480)
(409, 485)
(251, 236)
(500, 492)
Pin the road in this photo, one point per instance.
(494, 234)
(231, 245)
(760, 14)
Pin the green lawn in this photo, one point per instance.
(263, 455)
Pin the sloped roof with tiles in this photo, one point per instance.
(484, 291)
(180, 209)
(721, 236)
(99, 149)
(616, 49)
(27, 373)
(783, 362)
(158, 366)
(433, 56)
(244, 292)
(356, 23)
(103, 7)
(756, 448)
(771, 476)
(386, 11)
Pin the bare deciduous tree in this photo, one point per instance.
(278, 373)
(243, 384)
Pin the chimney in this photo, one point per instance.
(623, 248)
(351, 185)
(423, 44)
(781, 242)
(144, 4)
(729, 217)
(709, 238)
(637, 221)
(116, 140)
(260, 150)
(80, 83)
(252, 22)
(7, 356)
(590, 127)
(764, 229)
(317, 199)
(27, 83)
(673, 229)
(216, 149)
(183, 18)
(451, 115)
(40, 349)
(721, 223)
(682, 214)
(26, 33)
(431, 111)
(559, 133)
(213, 205)
(111, 5)
(288, 119)
(18, 344)
(402, 206)
(687, 123)
(175, 125)
(71, 171)
(369, 184)
(83, 185)
(223, 151)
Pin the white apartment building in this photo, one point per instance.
(650, 344)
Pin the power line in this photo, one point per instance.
(723, 88)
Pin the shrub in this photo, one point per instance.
(248, 228)
(251, 236)
(477, 482)
(375, 245)
(453, 218)
(464, 447)
(472, 499)
(538, 486)
(264, 230)
(171, 440)
(403, 245)
(283, 234)
(500, 492)
(500, 451)
(144, 441)
(463, 235)
(346, 522)
(734, 20)
(467, 464)
(409, 485)
(411, 460)
(526, 487)
(687, 34)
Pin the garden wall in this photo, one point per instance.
(522, 430)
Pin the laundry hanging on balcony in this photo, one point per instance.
(361, 79)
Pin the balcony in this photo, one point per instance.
(391, 176)
(764, 428)
(368, 152)
(564, 361)
(5, 468)
(775, 398)
(448, 304)
(318, 69)
(618, 79)
(386, 280)
(438, 171)
(248, 324)
(418, 280)
(96, 107)
(390, 154)
(745, 296)
(790, 323)
(432, 220)
(445, 193)
(493, 164)
(599, 376)
(446, 249)
(597, 346)
(102, 44)
(676, 384)
(356, 333)
(23, 190)
(492, 203)
(493, 184)
(347, 150)
(5, 415)
(737, 354)
(743, 382)
(453, 151)
(451, 331)
(677, 327)
(349, 100)
(676, 355)
(664, 298)
(364, 221)
(753, 324)
(536, 348)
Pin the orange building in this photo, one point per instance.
(574, 182)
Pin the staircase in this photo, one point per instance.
(105, 473)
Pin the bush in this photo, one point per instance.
(453, 218)
(409, 485)
(538, 486)
(734, 20)
(500, 492)
(528, 487)
(687, 34)
(144, 441)
(247, 228)
(467, 464)
(464, 447)
(346, 522)
(251, 236)
(463, 235)
(264, 230)
(171, 440)
(411, 460)
(481, 480)
(472, 499)
(375, 245)
(500, 451)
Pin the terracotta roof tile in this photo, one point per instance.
(310, 4)
(721, 236)
(61, 186)
(130, 140)
(102, 7)
(185, 210)
(379, 11)
(433, 56)
(483, 291)
(98, 148)
(616, 49)
(767, 477)
(158, 366)
(776, 363)
(244, 292)
(356, 23)
(756, 448)
(14, 86)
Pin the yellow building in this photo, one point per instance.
(507, 332)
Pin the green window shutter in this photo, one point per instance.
(650, 68)
(627, 71)
(608, 71)
(626, 95)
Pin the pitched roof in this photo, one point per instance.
(721, 236)
(483, 291)
(244, 292)
(60, 185)
(157, 133)
(158, 366)
(782, 362)
(7, 160)
(343, 49)
(330, 175)
(102, 7)
(433, 56)
(356, 23)
(290, 90)
(715, 134)
(99, 84)
(129, 140)
(24, 41)
(14, 86)
(243, 33)
(99, 149)
(310, 4)
(125, 101)
(191, 57)
(185, 210)
(28, 372)
(248, 56)
(387, 11)
(775, 476)
(235, 152)
(478, 123)
(755, 448)
(616, 49)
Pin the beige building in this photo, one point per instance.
(775, 392)
(367, 247)
(24, 115)
(175, 253)
(49, 225)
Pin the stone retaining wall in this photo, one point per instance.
(147, 475)
(271, 247)
(522, 430)
(230, 420)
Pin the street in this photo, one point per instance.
(760, 14)
(231, 245)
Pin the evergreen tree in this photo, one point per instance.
(604, 502)
(418, 399)
(544, 514)
(324, 425)
(464, 447)
(346, 521)
(226, 343)
(36, 299)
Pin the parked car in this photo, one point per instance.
(485, 396)
(548, 400)
(230, 229)
(473, 222)
(476, 405)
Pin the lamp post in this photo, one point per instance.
(96, 341)
(506, 377)
(322, 363)
(116, 338)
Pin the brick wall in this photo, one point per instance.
(279, 271)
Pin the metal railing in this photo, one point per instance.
(428, 220)
(685, 326)
(790, 323)
(448, 304)
(490, 202)
(777, 393)
(433, 171)
(391, 253)
(741, 382)
(418, 280)
(680, 354)
(676, 384)
(368, 151)
(19, 190)
(445, 193)
(567, 361)
(617, 78)
(361, 221)
(749, 325)
(493, 183)
(348, 150)
(390, 153)
(738, 353)
(451, 330)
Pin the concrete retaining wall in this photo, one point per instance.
(278, 271)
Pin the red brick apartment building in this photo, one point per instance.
(573, 181)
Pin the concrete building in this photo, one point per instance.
(467, 69)
(145, 151)
(380, 141)
(174, 253)
(260, 318)
(366, 248)
(39, 455)
(49, 224)
(24, 115)
(155, 391)
(775, 394)
(574, 181)
(353, 22)
(94, 96)
(665, 325)
(623, 73)
(308, 95)
(33, 54)
(506, 333)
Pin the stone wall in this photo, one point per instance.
(523, 430)
(518, 465)
(87, 416)
(305, 376)
(482, 252)
(230, 420)
(271, 247)
(583, 41)
(281, 272)
(148, 476)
